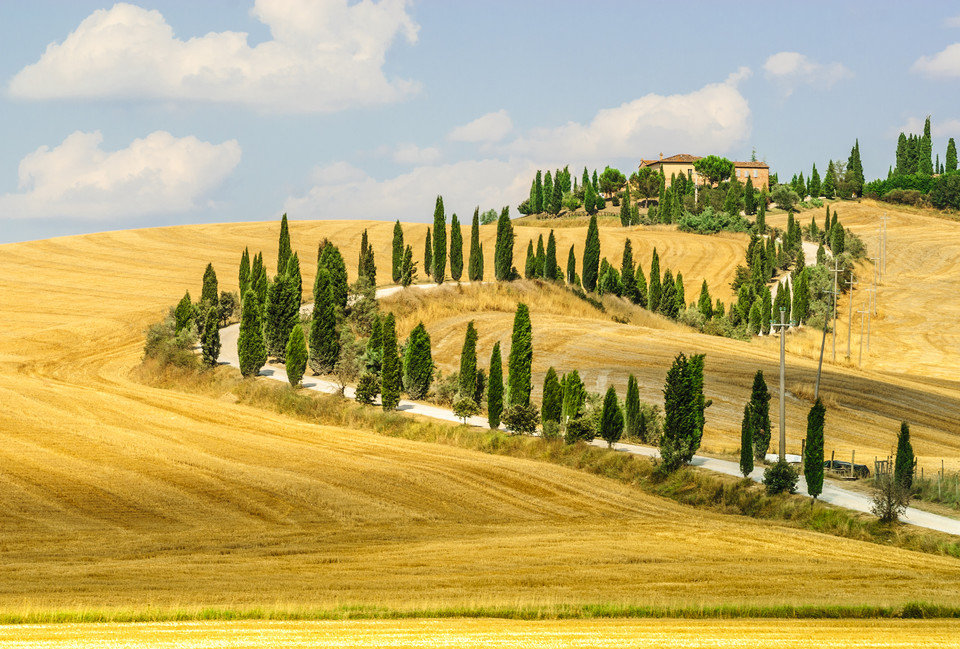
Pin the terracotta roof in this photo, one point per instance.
(686, 158)
(682, 157)
(751, 165)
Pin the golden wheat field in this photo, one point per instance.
(692, 634)
(118, 495)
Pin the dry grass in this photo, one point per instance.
(761, 634)
(119, 495)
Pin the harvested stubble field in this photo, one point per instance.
(122, 496)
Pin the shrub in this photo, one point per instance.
(522, 418)
(578, 430)
(781, 477)
(890, 498)
(551, 430)
(711, 222)
(465, 407)
(447, 388)
(168, 347)
(367, 388)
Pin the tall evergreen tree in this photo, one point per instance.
(244, 276)
(468, 362)
(762, 212)
(296, 278)
(640, 280)
(408, 270)
(440, 242)
(541, 257)
(538, 194)
(627, 273)
(653, 293)
(571, 267)
(390, 377)
(746, 441)
(801, 297)
(552, 406)
(903, 465)
(332, 260)
(557, 201)
(260, 283)
(766, 310)
(591, 256)
(503, 253)
(456, 249)
(418, 363)
(547, 192)
(280, 315)
(625, 208)
(950, 164)
(475, 265)
(668, 295)
(574, 396)
(683, 407)
(611, 418)
(284, 251)
(681, 296)
(520, 362)
(296, 355)
(495, 388)
(397, 257)
(210, 344)
(925, 160)
(813, 450)
(760, 413)
(367, 266)
(813, 187)
(550, 267)
(209, 293)
(324, 339)
(632, 408)
(902, 163)
(428, 255)
(705, 303)
(829, 188)
(250, 347)
(530, 265)
(855, 170)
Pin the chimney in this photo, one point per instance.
(661, 156)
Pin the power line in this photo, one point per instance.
(782, 325)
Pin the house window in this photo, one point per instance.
(755, 173)
(689, 174)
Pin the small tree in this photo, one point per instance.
(890, 498)
(591, 256)
(760, 413)
(418, 363)
(521, 358)
(408, 270)
(683, 405)
(571, 267)
(439, 242)
(552, 397)
(390, 379)
(550, 267)
(184, 314)
(456, 249)
(368, 387)
(654, 288)
(284, 251)
(332, 260)
(324, 340)
(397, 257)
(475, 265)
(611, 419)
(813, 450)
(209, 293)
(632, 408)
(468, 362)
(495, 388)
(714, 168)
(780, 477)
(210, 342)
(746, 442)
(296, 356)
(428, 254)
(251, 349)
(903, 466)
(464, 408)
(522, 418)
(503, 253)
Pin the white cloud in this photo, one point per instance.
(411, 196)
(155, 174)
(792, 69)
(325, 56)
(953, 21)
(938, 128)
(711, 119)
(411, 154)
(942, 64)
(491, 127)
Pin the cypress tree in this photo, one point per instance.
(397, 258)
(903, 465)
(211, 338)
(640, 296)
(683, 405)
(813, 450)
(557, 202)
(755, 317)
(760, 413)
(749, 197)
(705, 303)
(503, 253)
(530, 265)
(611, 418)
(550, 266)
(813, 186)
(408, 270)
(324, 341)
(538, 194)
(746, 441)
(632, 408)
(681, 297)
(837, 237)
(625, 208)
(296, 356)
(668, 295)
(260, 283)
(520, 362)
(468, 362)
(766, 310)
(925, 162)
(283, 253)
(627, 276)
(366, 266)
(296, 279)
(665, 209)
(495, 388)
(475, 265)
(547, 192)
(574, 396)
(541, 258)
(591, 256)
(184, 313)
(829, 187)
(418, 363)
(950, 164)
(456, 249)
(801, 297)
(209, 293)
(250, 347)
(373, 354)
(552, 398)
(332, 260)
(653, 293)
(390, 379)
(440, 242)
(280, 316)
(571, 266)
(762, 212)
(428, 255)
(244, 278)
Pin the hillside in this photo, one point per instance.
(121, 495)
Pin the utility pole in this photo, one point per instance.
(883, 221)
(836, 271)
(861, 312)
(782, 325)
(876, 271)
(851, 283)
(823, 344)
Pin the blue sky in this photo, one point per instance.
(169, 112)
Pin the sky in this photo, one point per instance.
(144, 114)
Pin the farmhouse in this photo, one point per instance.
(682, 163)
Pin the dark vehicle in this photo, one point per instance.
(859, 470)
